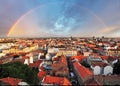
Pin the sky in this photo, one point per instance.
(59, 18)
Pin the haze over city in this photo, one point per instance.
(59, 42)
(59, 18)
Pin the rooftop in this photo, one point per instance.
(36, 64)
(101, 64)
(108, 80)
(41, 74)
(56, 80)
(78, 57)
(84, 73)
(11, 81)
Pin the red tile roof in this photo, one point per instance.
(93, 82)
(101, 64)
(60, 67)
(84, 73)
(78, 57)
(91, 45)
(36, 64)
(22, 53)
(38, 61)
(33, 65)
(1, 62)
(41, 74)
(105, 57)
(63, 60)
(56, 80)
(41, 68)
(11, 81)
(66, 82)
(25, 57)
(108, 80)
(18, 60)
(56, 59)
(109, 58)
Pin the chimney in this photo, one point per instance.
(31, 59)
(26, 61)
(39, 55)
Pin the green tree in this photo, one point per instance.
(116, 68)
(19, 70)
(85, 63)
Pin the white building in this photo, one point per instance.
(48, 57)
(97, 70)
(39, 55)
(31, 59)
(26, 61)
(53, 50)
(103, 70)
(108, 70)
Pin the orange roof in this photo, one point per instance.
(78, 57)
(41, 68)
(105, 57)
(22, 53)
(33, 65)
(82, 71)
(18, 60)
(41, 74)
(56, 80)
(11, 81)
(63, 60)
(36, 64)
(56, 59)
(101, 64)
(59, 66)
(91, 45)
(25, 57)
(13, 54)
(38, 61)
(66, 82)
(0, 61)
(93, 83)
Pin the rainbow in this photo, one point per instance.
(14, 25)
(11, 30)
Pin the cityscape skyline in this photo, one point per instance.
(64, 18)
(60, 42)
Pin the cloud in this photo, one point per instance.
(110, 31)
